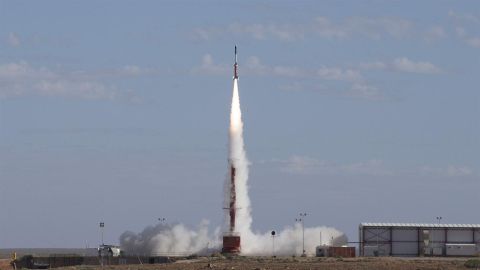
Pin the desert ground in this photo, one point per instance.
(291, 263)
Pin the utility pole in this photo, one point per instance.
(102, 226)
(302, 220)
(273, 243)
(438, 220)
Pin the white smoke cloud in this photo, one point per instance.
(167, 239)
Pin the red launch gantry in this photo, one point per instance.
(231, 239)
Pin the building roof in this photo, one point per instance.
(426, 225)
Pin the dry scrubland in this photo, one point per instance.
(252, 263)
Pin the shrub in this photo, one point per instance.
(472, 263)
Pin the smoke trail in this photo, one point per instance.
(288, 241)
(238, 159)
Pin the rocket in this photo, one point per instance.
(231, 238)
(233, 196)
(235, 66)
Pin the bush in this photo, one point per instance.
(472, 263)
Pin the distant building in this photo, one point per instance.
(415, 239)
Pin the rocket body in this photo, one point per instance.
(235, 66)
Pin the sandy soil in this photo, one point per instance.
(288, 263)
(5, 264)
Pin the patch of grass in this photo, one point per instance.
(472, 263)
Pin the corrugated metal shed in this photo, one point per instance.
(415, 225)
(414, 239)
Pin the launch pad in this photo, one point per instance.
(231, 244)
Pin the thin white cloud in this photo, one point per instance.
(374, 65)
(284, 32)
(435, 33)
(13, 39)
(448, 171)
(474, 42)
(209, 67)
(323, 27)
(359, 88)
(464, 17)
(407, 65)
(403, 64)
(365, 91)
(461, 32)
(308, 165)
(339, 74)
(254, 66)
(73, 89)
(21, 79)
(468, 20)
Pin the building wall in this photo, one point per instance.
(404, 241)
(409, 241)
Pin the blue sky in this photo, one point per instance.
(118, 111)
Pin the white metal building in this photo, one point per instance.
(412, 239)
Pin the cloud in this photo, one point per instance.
(284, 32)
(474, 42)
(364, 91)
(323, 27)
(435, 33)
(461, 32)
(254, 66)
(66, 88)
(359, 89)
(339, 74)
(377, 28)
(209, 67)
(467, 19)
(448, 171)
(403, 64)
(406, 65)
(21, 79)
(464, 17)
(13, 39)
(308, 165)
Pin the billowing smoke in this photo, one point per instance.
(177, 239)
(167, 239)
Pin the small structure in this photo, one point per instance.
(460, 250)
(418, 239)
(329, 251)
(231, 244)
(109, 251)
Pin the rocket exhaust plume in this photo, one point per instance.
(238, 164)
(238, 236)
